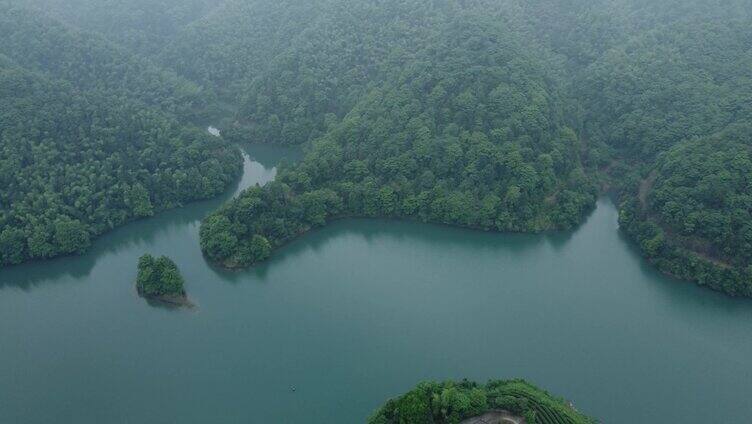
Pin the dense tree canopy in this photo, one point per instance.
(693, 216)
(492, 114)
(75, 165)
(675, 103)
(84, 146)
(144, 26)
(704, 190)
(451, 402)
(505, 128)
(327, 67)
(90, 63)
(670, 84)
(159, 277)
(229, 48)
(468, 134)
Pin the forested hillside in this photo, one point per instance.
(89, 62)
(604, 88)
(329, 65)
(469, 133)
(228, 49)
(77, 164)
(680, 81)
(144, 26)
(90, 139)
(674, 104)
(492, 114)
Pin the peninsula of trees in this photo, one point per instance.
(453, 402)
(469, 132)
(504, 115)
(159, 279)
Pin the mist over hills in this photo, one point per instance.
(496, 114)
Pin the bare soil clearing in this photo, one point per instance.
(495, 417)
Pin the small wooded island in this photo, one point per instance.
(159, 279)
(465, 402)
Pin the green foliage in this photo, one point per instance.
(90, 63)
(158, 277)
(451, 402)
(315, 81)
(490, 114)
(669, 84)
(468, 134)
(676, 98)
(703, 192)
(695, 222)
(230, 47)
(243, 231)
(81, 150)
(141, 25)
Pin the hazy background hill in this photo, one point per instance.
(498, 114)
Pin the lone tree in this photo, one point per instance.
(159, 278)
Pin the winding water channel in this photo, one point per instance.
(361, 311)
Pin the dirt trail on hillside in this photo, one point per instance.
(645, 186)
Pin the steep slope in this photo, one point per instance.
(89, 62)
(694, 216)
(675, 82)
(675, 103)
(404, 122)
(634, 78)
(468, 132)
(143, 26)
(89, 140)
(231, 46)
(329, 65)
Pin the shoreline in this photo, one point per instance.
(169, 300)
(550, 231)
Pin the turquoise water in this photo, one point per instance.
(361, 311)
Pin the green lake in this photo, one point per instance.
(358, 312)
